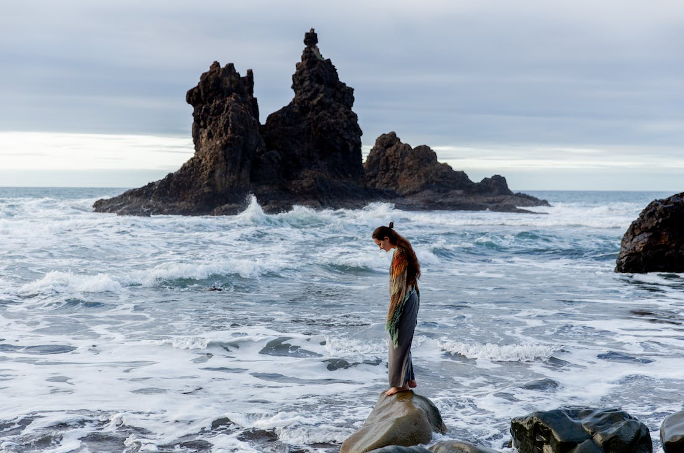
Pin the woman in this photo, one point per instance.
(403, 309)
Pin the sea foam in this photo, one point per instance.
(498, 353)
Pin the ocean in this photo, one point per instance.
(265, 333)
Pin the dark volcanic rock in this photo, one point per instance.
(654, 242)
(396, 166)
(404, 419)
(672, 433)
(315, 139)
(307, 153)
(421, 182)
(225, 131)
(580, 431)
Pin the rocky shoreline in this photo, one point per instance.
(307, 153)
(404, 422)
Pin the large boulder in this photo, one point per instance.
(577, 430)
(672, 433)
(419, 181)
(457, 446)
(654, 242)
(398, 449)
(403, 419)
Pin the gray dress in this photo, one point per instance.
(400, 364)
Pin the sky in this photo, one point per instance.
(557, 95)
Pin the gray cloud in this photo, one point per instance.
(443, 73)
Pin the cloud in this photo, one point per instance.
(472, 73)
(73, 152)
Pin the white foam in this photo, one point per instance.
(245, 268)
(185, 342)
(498, 353)
(68, 282)
(351, 347)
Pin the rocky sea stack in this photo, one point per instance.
(654, 242)
(414, 179)
(307, 153)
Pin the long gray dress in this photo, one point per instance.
(400, 364)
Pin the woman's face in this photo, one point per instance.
(383, 244)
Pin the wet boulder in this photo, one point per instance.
(398, 449)
(672, 433)
(457, 446)
(654, 242)
(404, 419)
(580, 430)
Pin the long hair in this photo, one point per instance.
(413, 272)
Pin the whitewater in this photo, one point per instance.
(265, 333)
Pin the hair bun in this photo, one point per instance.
(391, 225)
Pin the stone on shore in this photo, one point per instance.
(580, 430)
(457, 446)
(672, 433)
(654, 242)
(398, 449)
(404, 419)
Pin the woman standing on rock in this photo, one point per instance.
(402, 315)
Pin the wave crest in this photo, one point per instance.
(498, 353)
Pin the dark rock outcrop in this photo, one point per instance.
(672, 433)
(307, 153)
(654, 242)
(419, 181)
(404, 419)
(457, 446)
(580, 431)
(225, 132)
(315, 141)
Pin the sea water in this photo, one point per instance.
(265, 333)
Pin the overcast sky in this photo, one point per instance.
(551, 94)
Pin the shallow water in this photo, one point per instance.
(265, 332)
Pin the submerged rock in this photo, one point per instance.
(457, 446)
(404, 419)
(654, 242)
(419, 181)
(672, 433)
(580, 430)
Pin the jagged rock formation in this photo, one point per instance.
(416, 177)
(580, 431)
(307, 153)
(225, 132)
(315, 140)
(404, 419)
(654, 242)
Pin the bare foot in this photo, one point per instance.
(412, 383)
(394, 390)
